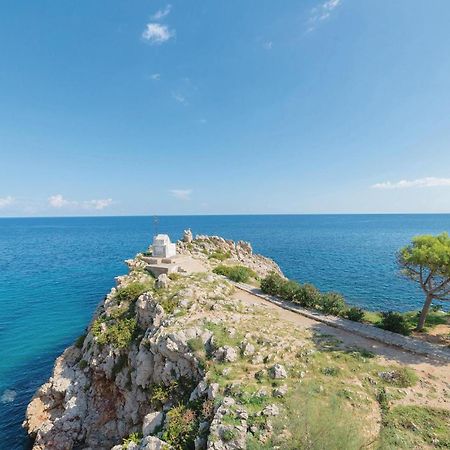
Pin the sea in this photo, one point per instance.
(55, 271)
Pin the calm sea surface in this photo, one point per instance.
(53, 273)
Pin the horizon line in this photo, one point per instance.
(231, 215)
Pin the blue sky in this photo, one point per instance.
(218, 107)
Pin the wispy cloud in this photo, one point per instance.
(426, 182)
(6, 201)
(97, 204)
(156, 33)
(181, 194)
(161, 13)
(321, 12)
(155, 76)
(179, 98)
(58, 201)
(267, 45)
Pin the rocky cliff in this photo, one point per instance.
(144, 375)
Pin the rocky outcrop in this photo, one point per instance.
(142, 355)
(205, 247)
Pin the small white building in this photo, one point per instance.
(162, 247)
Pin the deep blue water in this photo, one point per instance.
(54, 271)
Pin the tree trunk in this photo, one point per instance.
(424, 313)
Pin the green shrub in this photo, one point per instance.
(80, 341)
(131, 292)
(395, 322)
(228, 434)
(332, 303)
(120, 333)
(290, 290)
(354, 313)
(220, 256)
(181, 428)
(309, 296)
(272, 283)
(330, 371)
(240, 274)
(82, 364)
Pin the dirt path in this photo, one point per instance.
(433, 388)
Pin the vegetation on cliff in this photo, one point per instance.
(198, 364)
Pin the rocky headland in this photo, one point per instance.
(188, 361)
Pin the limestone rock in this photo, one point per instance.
(152, 422)
(162, 281)
(277, 371)
(226, 354)
(280, 391)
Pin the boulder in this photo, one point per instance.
(152, 422)
(277, 372)
(163, 281)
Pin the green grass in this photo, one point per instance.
(134, 438)
(221, 335)
(401, 377)
(219, 256)
(240, 274)
(320, 423)
(434, 318)
(408, 427)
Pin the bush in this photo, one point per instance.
(181, 427)
(290, 290)
(220, 256)
(354, 313)
(395, 322)
(131, 292)
(332, 303)
(82, 364)
(272, 283)
(120, 334)
(240, 274)
(80, 341)
(308, 296)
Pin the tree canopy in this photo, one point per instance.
(427, 261)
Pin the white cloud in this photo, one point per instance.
(322, 12)
(161, 13)
(155, 33)
(181, 194)
(6, 201)
(268, 45)
(179, 97)
(97, 204)
(155, 76)
(57, 201)
(419, 183)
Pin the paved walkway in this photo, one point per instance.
(366, 331)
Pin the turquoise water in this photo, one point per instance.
(53, 273)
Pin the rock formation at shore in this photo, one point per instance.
(143, 368)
